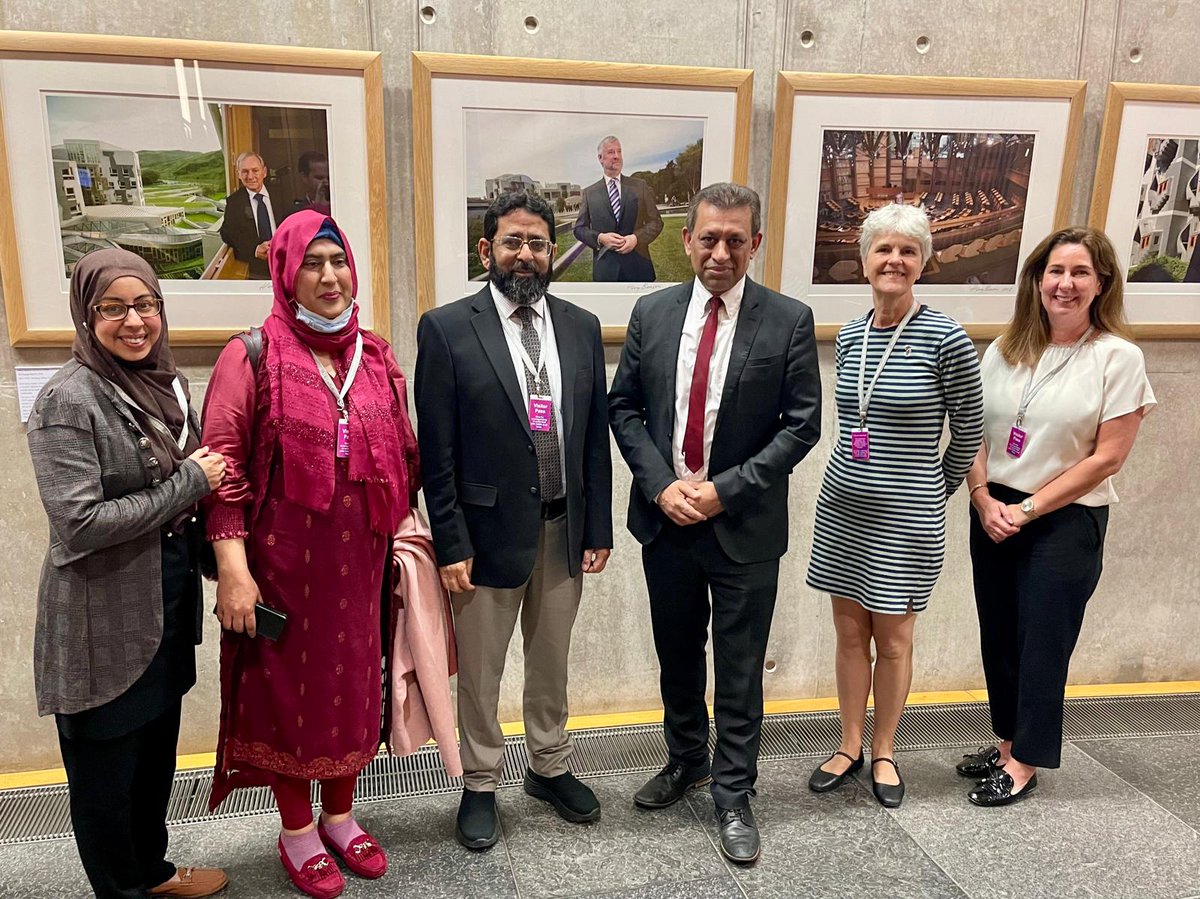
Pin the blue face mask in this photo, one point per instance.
(320, 323)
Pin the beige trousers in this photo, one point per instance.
(484, 620)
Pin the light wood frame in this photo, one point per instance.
(1119, 93)
(427, 66)
(368, 64)
(789, 84)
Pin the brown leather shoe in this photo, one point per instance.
(193, 883)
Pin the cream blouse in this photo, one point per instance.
(1106, 379)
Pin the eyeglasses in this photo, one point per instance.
(117, 312)
(537, 246)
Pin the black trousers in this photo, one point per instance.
(1031, 591)
(119, 793)
(683, 565)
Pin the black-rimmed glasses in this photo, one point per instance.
(113, 311)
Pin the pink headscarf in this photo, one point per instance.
(299, 405)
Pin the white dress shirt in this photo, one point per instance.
(270, 210)
(689, 343)
(544, 325)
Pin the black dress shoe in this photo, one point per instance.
(889, 795)
(823, 781)
(739, 834)
(998, 790)
(668, 785)
(476, 827)
(573, 800)
(979, 764)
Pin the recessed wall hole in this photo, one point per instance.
(807, 38)
(428, 15)
(923, 43)
(532, 24)
(1135, 54)
(770, 666)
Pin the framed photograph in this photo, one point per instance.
(564, 130)
(1146, 198)
(989, 160)
(189, 154)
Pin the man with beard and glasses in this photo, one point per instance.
(512, 425)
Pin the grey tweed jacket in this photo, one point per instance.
(100, 605)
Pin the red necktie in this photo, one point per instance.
(693, 435)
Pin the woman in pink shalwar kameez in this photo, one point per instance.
(303, 523)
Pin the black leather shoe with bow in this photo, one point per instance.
(823, 781)
(739, 834)
(998, 790)
(668, 785)
(979, 764)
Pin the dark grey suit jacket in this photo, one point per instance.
(769, 419)
(100, 605)
(639, 216)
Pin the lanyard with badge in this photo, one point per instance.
(541, 408)
(1018, 435)
(339, 396)
(159, 425)
(860, 438)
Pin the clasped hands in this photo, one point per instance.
(687, 503)
(1000, 521)
(622, 243)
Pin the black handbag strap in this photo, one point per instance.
(253, 341)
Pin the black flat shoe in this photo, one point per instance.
(979, 764)
(668, 786)
(889, 795)
(574, 801)
(739, 834)
(476, 826)
(823, 781)
(998, 790)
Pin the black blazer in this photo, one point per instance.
(239, 229)
(478, 465)
(769, 419)
(639, 216)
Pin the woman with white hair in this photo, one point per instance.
(902, 370)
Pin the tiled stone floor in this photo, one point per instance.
(1119, 820)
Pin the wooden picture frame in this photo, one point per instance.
(1022, 134)
(1146, 198)
(56, 203)
(450, 89)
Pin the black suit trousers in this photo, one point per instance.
(119, 792)
(1031, 591)
(683, 567)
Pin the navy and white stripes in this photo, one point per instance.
(880, 532)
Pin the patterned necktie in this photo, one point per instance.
(545, 443)
(263, 217)
(693, 434)
(614, 197)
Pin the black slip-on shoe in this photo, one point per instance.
(979, 764)
(574, 801)
(668, 786)
(476, 826)
(739, 834)
(823, 781)
(998, 790)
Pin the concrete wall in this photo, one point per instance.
(1140, 626)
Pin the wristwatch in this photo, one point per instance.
(1028, 508)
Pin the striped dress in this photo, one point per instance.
(880, 533)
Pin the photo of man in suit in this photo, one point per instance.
(510, 396)
(618, 219)
(716, 398)
(314, 176)
(251, 216)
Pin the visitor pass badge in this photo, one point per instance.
(541, 410)
(860, 445)
(1016, 442)
(343, 439)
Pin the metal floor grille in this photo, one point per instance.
(42, 813)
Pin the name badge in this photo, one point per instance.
(1016, 442)
(343, 440)
(541, 410)
(860, 445)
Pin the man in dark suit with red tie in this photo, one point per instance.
(618, 219)
(517, 474)
(716, 399)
